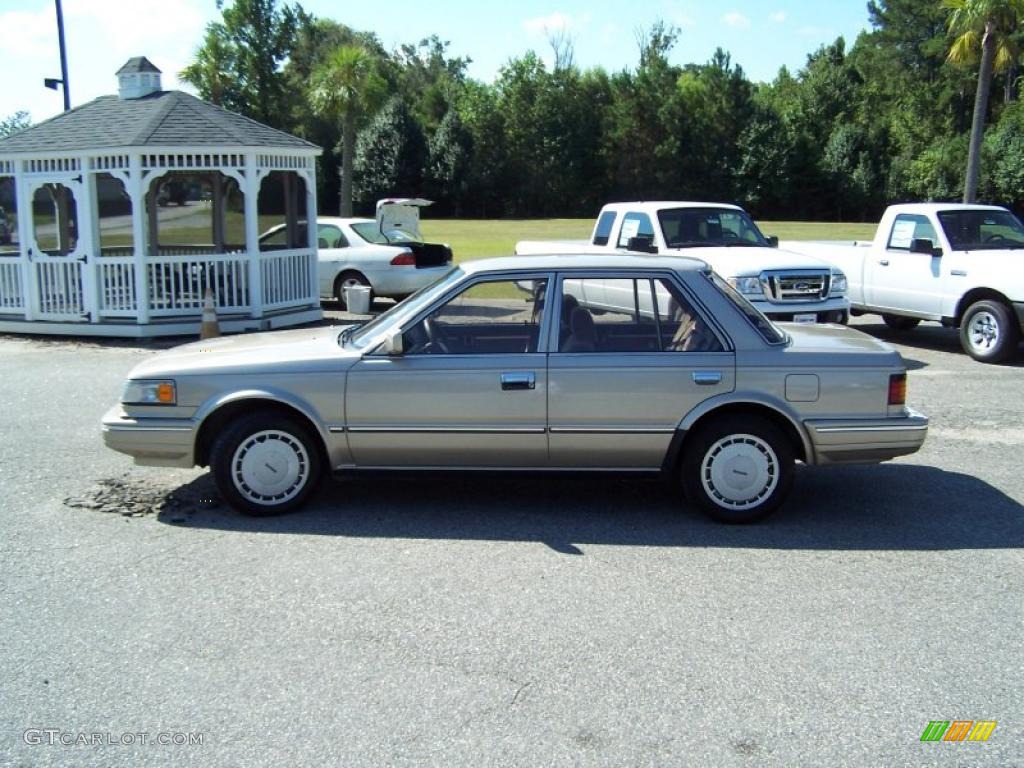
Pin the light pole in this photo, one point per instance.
(52, 82)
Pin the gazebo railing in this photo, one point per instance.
(178, 284)
(12, 295)
(285, 276)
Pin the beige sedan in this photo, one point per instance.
(510, 364)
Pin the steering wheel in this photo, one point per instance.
(433, 336)
(996, 238)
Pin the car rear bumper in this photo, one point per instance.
(839, 441)
(398, 281)
(151, 442)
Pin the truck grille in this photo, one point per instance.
(796, 286)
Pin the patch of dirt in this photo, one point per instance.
(130, 497)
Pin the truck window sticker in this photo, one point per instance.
(902, 233)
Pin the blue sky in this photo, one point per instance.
(102, 34)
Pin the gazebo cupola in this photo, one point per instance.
(118, 216)
(138, 78)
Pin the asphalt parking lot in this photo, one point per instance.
(479, 621)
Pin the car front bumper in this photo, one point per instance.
(150, 442)
(840, 441)
(833, 310)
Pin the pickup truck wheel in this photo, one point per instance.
(989, 331)
(738, 469)
(265, 464)
(900, 323)
(349, 280)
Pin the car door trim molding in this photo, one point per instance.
(611, 430)
(449, 430)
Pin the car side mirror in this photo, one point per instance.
(641, 244)
(773, 241)
(924, 245)
(393, 345)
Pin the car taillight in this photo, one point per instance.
(407, 259)
(898, 389)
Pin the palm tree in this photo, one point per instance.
(986, 25)
(341, 88)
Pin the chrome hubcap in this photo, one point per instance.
(739, 471)
(270, 467)
(983, 331)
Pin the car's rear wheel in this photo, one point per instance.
(900, 323)
(349, 280)
(738, 469)
(265, 464)
(989, 332)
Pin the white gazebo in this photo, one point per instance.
(118, 216)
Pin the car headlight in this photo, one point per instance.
(748, 285)
(838, 284)
(149, 392)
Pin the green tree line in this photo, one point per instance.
(855, 128)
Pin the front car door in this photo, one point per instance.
(626, 367)
(469, 390)
(900, 279)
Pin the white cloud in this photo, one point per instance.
(736, 20)
(100, 36)
(778, 17)
(554, 22)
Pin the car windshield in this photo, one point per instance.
(972, 230)
(364, 335)
(768, 330)
(702, 227)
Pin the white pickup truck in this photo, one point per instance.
(961, 265)
(784, 286)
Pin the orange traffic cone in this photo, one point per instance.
(210, 328)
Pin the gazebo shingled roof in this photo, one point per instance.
(165, 118)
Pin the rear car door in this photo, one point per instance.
(620, 380)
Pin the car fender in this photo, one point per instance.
(271, 394)
(742, 397)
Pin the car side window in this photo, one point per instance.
(908, 227)
(603, 232)
(635, 224)
(629, 315)
(329, 236)
(490, 317)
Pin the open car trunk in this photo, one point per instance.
(398, 219)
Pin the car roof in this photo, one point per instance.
(942, 207)
(584, 261)
(660, 205)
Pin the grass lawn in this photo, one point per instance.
(475, 239)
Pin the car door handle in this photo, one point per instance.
(707, 378)
(884, 262)
(520, 380)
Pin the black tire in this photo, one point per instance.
(748, 446)
(273, 444)
(900, 323)
(346, 279)
(989, 332)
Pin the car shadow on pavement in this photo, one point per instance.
(883, 507)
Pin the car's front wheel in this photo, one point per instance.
(989, 332)
(265, 464)
(738, 469)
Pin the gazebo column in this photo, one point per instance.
(137, 194)
(314, 244)
(252, 235)
(26, 238)
(89, 244)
